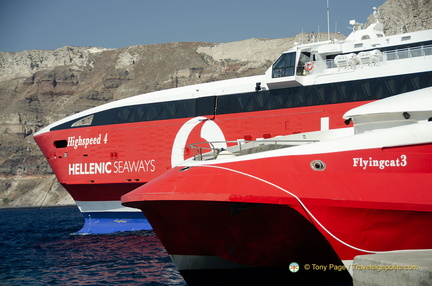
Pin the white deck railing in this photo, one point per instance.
(360, 60)
(208, 151)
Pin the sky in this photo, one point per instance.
(51, 24)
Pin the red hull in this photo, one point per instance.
(262, 240)
(272, 211)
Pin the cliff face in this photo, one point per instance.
(40, 87)
(402, 16)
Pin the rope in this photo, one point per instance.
(299, 201)
(43, 201)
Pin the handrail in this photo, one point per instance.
(199, 152)
(323, 65)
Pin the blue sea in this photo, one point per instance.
(41, 247)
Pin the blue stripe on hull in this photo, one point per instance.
(110, 222)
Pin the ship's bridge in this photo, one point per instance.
(368, 51)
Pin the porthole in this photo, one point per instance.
(318, 165)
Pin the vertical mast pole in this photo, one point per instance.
(328, 21)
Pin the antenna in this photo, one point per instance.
(328, 21)
(376, 14)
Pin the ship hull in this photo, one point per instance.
(117, 164)
(109, 222)
(102, 209)
(110, 216)
(275, 210)
(242, 243)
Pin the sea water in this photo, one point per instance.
(41, 247)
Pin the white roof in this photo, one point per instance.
(418, 100)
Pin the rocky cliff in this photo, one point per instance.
(39, 87)
(401, 16)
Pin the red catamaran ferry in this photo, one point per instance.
(107, 151)
(253, 213)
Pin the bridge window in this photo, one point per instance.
(285, 65)
(84, 121)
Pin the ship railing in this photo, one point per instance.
(367, 59)
(203, 151)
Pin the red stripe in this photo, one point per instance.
(100, 192)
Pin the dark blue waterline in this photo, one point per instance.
(111, 222)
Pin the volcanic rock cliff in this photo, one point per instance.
(39, 87)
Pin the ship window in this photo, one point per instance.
(149, 112)
(285, 65)
(304, 58)
(83, 121)
(350, 91)
(123, 114)
(171, 108)
(205, 105)
(140, 112)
